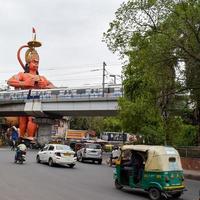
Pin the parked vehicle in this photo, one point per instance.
(90, 151)
(57, 154)
(155, 169)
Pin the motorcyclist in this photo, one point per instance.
(21, 150)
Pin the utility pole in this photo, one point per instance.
(103, 83)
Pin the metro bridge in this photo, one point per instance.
(60, 102)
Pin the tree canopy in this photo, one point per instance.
(161, 41)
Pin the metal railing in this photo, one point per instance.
(189, 152)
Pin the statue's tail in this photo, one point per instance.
(19, 58)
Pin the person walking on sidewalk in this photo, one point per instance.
(14, 137)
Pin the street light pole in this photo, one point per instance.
(103, 83)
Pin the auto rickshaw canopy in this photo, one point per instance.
(158, 158)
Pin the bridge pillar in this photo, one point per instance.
(44, 132)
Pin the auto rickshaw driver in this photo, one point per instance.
(134, 166)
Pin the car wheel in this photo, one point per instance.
(118, 185)
(99, 162)
(38, 159)
(154, 194)
(71, 165)
(50, 162)
(81, 158)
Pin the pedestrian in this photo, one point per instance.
(14, 137)
(114, 155)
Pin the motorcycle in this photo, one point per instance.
(20, 156)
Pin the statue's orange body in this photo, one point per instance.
(30, 79)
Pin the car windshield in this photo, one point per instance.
(93, 146)
(63, 147)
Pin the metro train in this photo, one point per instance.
(62, 93)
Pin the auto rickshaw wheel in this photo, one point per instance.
(154, 193)
(118, 185)
(38, 159)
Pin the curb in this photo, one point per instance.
(192, 177)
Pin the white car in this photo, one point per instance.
(57, 154)
(90, 151)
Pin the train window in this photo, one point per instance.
(92, 90)
(6, 95)
(65, 92)
(106, 90)
(80, 91)
(110, 90)
(55, 92)
(97, 91)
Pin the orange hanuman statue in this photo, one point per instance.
(29, 79)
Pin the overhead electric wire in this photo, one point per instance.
(67, 67)
(67, 75)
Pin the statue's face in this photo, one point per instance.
(33, 65)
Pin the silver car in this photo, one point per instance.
(90, 151)
(57, 154)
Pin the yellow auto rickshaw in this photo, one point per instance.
(155, 169)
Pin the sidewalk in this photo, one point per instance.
(192, 174)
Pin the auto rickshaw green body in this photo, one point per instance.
(162, 173)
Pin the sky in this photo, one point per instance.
(71, 31)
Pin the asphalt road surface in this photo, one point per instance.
(32, 181)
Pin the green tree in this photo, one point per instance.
(159, 38)
(98, 124)
(112, 124)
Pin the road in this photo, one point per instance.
(32, 181)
